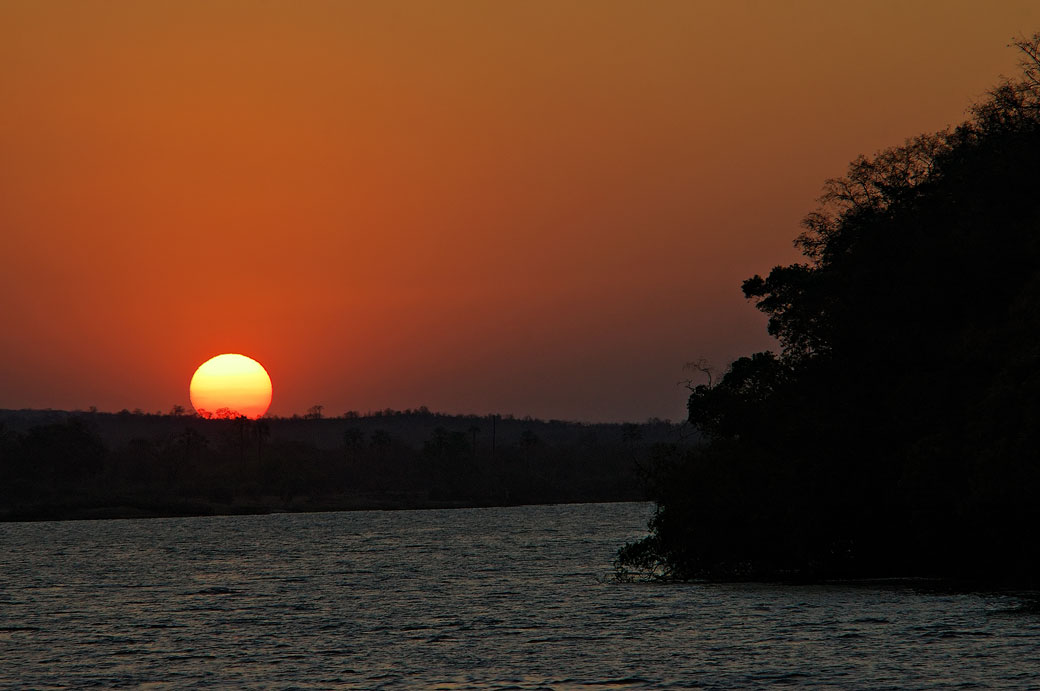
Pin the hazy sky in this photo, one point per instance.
(538, 208)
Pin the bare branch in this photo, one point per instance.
(699, 365)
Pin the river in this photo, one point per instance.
(516, 598)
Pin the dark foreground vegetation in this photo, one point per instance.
(897, 430)
(56, 465)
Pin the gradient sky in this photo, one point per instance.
(538, 208)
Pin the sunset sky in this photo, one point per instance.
(537, 208)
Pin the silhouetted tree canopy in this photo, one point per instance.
(897, 429)
(55, 464)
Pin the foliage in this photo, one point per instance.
(896, 430)
(54, 465)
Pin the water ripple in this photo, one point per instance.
(510, 598)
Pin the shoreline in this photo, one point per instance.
(129, 509)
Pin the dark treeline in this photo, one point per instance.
(897, 430)
(56, 464)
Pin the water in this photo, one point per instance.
(508, 598)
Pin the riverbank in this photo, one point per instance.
(125, 508)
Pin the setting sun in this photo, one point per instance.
(230, 385)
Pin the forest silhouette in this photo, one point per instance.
(56, 465)
(896, 432)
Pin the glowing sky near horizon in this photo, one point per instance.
(534, 208)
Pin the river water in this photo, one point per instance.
(469, 598)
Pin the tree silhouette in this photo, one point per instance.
(895, 429)
(353, 439)
(262, 430)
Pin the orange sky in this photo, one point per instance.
(539, 208)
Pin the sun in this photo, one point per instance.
(230, 386)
